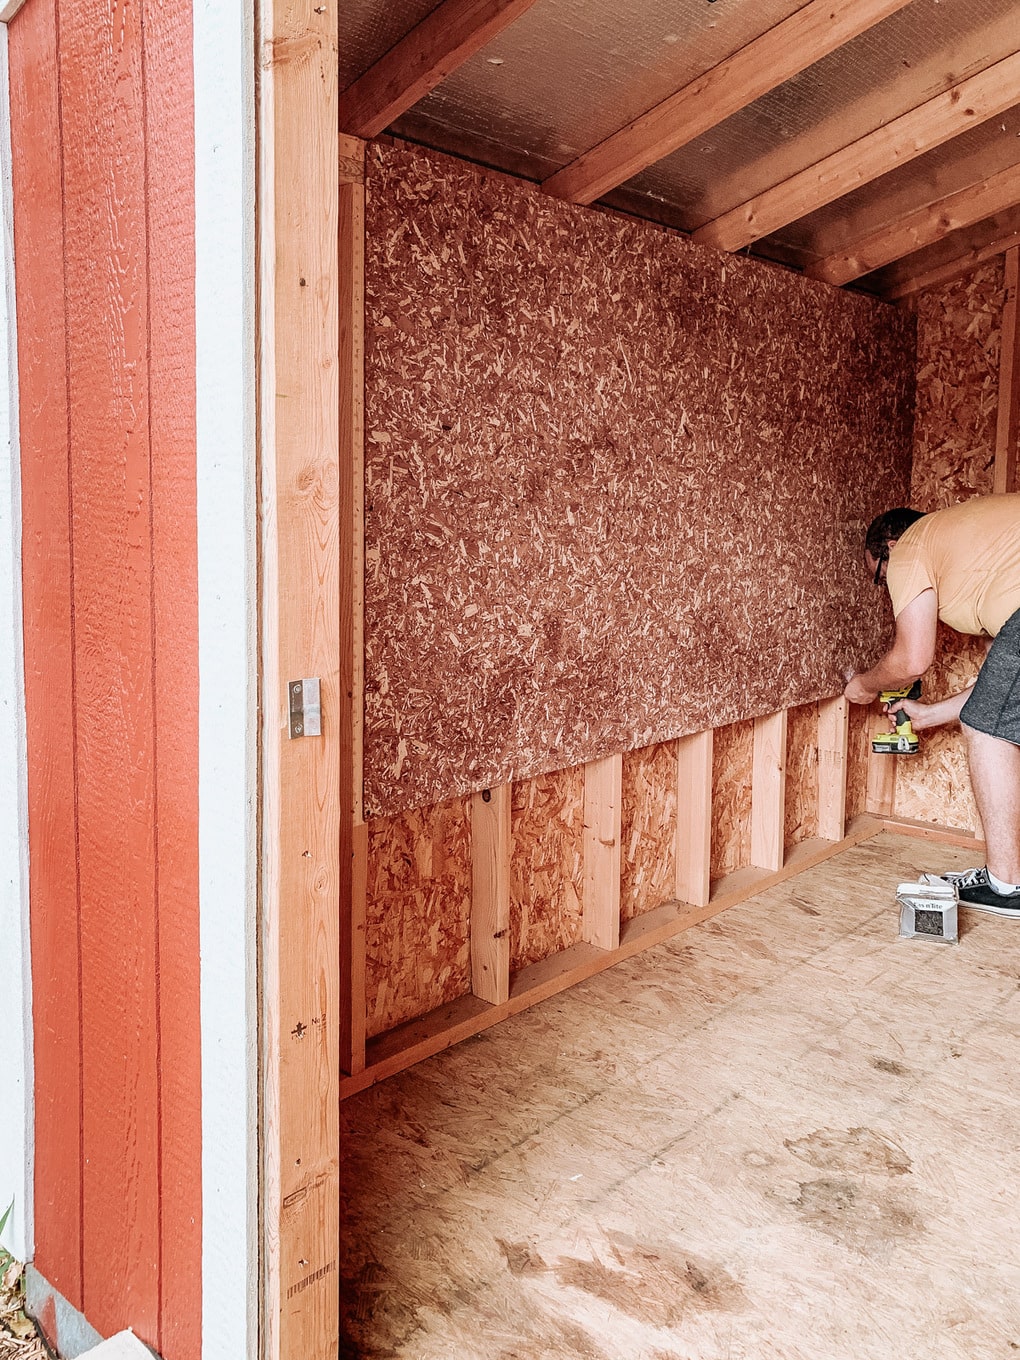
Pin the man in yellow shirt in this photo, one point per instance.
(961, 565)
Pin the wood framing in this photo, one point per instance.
(1007, 431)
(490, 894)
(603, 803)
(881, 796)
(833, 728)
(798, 42)
(911, 279)
(351, 714)
(920, 228)
(768, 792)
(304, 497)
(938, 120)
(694, 818)
(454, 31)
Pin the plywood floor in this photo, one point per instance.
(786, 1135)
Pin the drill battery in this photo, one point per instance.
(902, 742)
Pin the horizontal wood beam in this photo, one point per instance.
(798, 42)
(1007, 433)
(900, 141)
(921, 228)
(906, 284)
(444, 40)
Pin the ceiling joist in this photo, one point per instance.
(909, 278)
(938, 120)
(921, 228)
(781, 53)
(444, 40)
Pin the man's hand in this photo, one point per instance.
(859, 693)
(925, 716)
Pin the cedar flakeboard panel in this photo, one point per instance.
(598, 460)
(418, 953)
(959, 335)
(649, 828)
(49, 648)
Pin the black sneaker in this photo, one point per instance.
(975, 890)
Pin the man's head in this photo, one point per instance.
(882, 536)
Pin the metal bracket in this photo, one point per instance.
(305, 708)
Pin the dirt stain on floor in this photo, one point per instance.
(856, 1151)
(856, 1215)
(655, 1285)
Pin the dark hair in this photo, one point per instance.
(885, 528)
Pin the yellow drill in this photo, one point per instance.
(902, 742)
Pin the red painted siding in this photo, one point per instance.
(104, 212)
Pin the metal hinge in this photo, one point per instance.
(305, 708)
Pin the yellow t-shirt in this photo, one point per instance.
(970, 555)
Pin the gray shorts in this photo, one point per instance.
(994, 706)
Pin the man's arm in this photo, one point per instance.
(911, 654)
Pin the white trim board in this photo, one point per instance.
(224, 56)
(16, 1066)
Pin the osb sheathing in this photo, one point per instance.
(959, 331)
(648, 858)
(616, 484)
(418, 914)
(546, 865)
(732, 767)
(801, 811)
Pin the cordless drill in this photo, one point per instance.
(902, 742)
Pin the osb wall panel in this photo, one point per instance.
(419, 913)
(546, 865)
(648, 859)
(959, 330)
(732, 765)
(598, 460)
(801, 812)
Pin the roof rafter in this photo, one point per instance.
(908, 282)
(798, 42)
(921, 228)
(444, 40)
(923, 128)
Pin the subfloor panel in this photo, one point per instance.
(785, 1133)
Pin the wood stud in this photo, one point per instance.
(833, 731)
(768, 792)
(490, 894)
(694, 818)
(603, 802)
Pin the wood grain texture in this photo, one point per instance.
(49, 646)
(648, 829)
(451, 33)
(546, 866)
(804, 38)
(104, 158)
(353, 837)
(169, 123)
(694, 818)
(890, 145)
(490, 894)
(858, 759)
(602, 853)
(305, 809)
(768, 791)
(419, 912)
(585, 440)
(833, 767)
